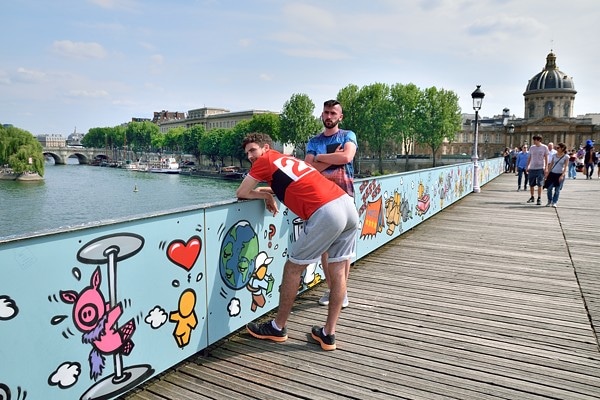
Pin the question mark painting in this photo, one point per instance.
(272, 231)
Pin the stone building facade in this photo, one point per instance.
(210, 118)
(549, 100)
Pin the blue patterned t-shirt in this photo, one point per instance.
(342, 174)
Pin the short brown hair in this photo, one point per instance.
(332, 103)
(259, 138)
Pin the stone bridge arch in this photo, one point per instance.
(84, 155)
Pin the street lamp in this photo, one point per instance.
(511, 130)
(505, 117)
(477, 96)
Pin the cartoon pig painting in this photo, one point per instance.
(94, 317)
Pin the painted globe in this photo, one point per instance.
(237, 259)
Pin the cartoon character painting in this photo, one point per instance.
(94, 317)
(260, 283)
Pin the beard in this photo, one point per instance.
(328, 123)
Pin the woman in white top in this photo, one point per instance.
(555, 177)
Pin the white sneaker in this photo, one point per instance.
(554, 205)
(324, 300)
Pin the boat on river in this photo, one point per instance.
(226, 173)
(166, 166)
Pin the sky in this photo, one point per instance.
(71, 65)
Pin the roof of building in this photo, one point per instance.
(551, 78)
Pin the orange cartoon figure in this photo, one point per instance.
(184, 318)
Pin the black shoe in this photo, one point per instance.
(530, 200)
(539, 201)
(266, 331)
(327, 342)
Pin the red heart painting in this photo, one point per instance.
(184, 254)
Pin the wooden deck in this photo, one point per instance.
(492, 298)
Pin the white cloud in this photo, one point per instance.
(88, 93)
(72, 49)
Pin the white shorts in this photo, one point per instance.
(332, 229)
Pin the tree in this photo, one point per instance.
(298, 123)
(439, 118)
(209, 144)
(348, 97)
(138, 135)
(405, 102)
(174, 139)
(99, 138)
(21, 151)
(230, 145)
(268, 123)
(191, 140)
(374, 117)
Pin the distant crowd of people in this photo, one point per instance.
(546, 166)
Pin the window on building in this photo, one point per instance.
(548, 108)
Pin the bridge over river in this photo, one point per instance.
(84, 155)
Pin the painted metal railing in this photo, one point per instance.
(92, 312)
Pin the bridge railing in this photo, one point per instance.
(91, 312)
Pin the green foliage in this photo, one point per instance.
(209, 144)
(21, 151)
(191, 140)
(438, 117)
(268, 123)
(138, 135)
(405, 102)
(298, 123)
(101, 137)
(374, 107)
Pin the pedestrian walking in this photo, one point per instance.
(522, 158)
(555, 177)
(537, 165)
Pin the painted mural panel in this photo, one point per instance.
(393, 204)
(91, 314)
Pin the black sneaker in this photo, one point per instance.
(266, 331)
(327, 342)
(539, 202)
(530, 200)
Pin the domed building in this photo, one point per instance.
(550, 93)
(549, 105)
(549, 100)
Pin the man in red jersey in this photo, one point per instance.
(330, 225)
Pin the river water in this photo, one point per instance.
(76, 194)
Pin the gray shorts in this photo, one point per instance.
(332, 229)
(536, 177)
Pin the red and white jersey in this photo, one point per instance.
(296, 184)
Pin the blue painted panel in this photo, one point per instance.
(146, 276)
(393, 204)
(166, 285)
